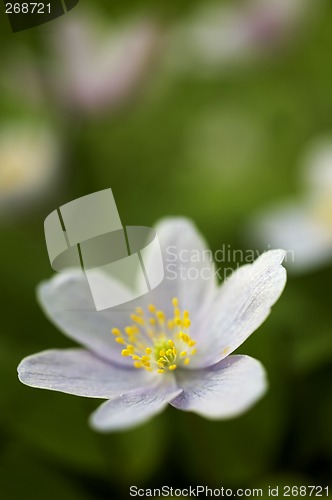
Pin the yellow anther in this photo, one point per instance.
(145, 358)
(186, 314)
(174, 351)
(193, 352)
(130, 348)
(139, 310)
(185, 337)
(178, 321)
(160, 315)
(137, 364)
(187, 323)
(148, 350)
(177, 313)
(152, 308)
(137, 319)
(125, 352)
(169, 352)
(187, 361)
(135, 358)
(162, 352)
(161, 361)
(170, 324)
(119, 340)
(175, 301)
(192, 343)
(116, 331)
(171, 343)
(180, 335)
(161, 371)
(183, 353)
(172, 367)
(152, 321)
(129, 330)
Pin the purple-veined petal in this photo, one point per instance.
(79, 372)
(135, 407)
(67, 301)
(188, 266)
(221, 391)
(241, 305)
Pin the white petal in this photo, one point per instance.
(135, 407)
(242, 304)
(79, 372)
(224, 390)
(295, 228)
(189, 270)
(67, 301)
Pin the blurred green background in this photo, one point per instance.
(213, 145)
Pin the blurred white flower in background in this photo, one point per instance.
(303, 226)
(97, 65)
(29, 164)
(218, 36)
(89, 64)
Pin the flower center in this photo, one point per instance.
(157, 343)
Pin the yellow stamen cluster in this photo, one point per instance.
(157, 343)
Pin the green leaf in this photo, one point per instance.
(25, 475)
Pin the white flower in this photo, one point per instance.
(92, 65)
(174, 347)
(216, 36)
(303, 226)
(29, 161)
(98, 65)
